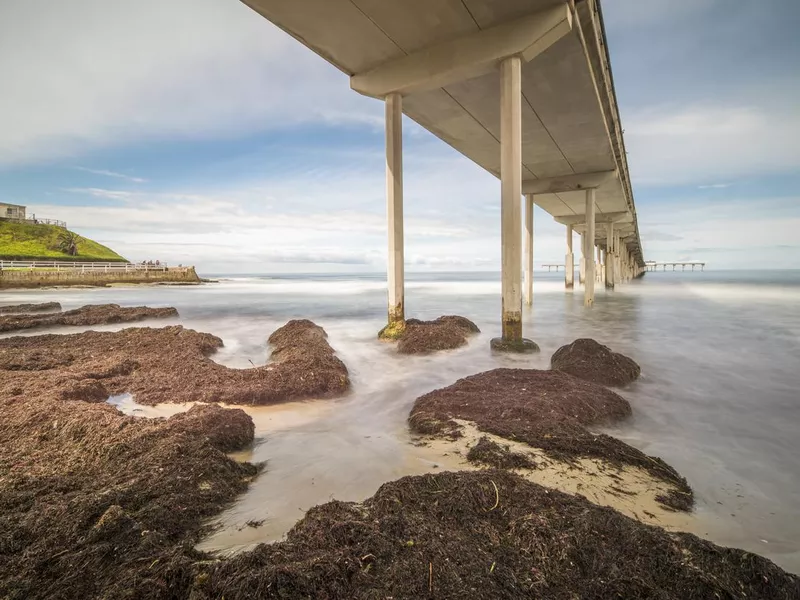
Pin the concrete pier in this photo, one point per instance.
(588, 288)
(529, 249)
(437, 63)
(582, 266)
(569, 262)
(653, 265)
(394, 208)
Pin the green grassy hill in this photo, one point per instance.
(23, 241)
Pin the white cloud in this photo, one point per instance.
(112, 174)
(291, 222)
(91, 73)
(101, 193)
(691, 145)
(739, 233)
(714, 186)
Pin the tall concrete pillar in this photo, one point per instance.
(394, 206)
(510, 207)
(610, 256)
(627, 264)
(529, 249)
(618, 260)
(598, 271)
(569, 262)
(588, 290)
(582, 266)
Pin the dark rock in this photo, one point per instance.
(30, 308)
(225, 428)
(423, 337)
(523, 346)
(549, 410)
(93, 314)
(592, 361)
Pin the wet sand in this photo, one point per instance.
(276, 509)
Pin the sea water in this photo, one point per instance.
(719, 396)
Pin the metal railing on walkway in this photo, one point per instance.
(36, 221)
(83, 267)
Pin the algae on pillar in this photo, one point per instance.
(510, 207)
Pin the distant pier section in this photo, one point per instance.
(652, 265)
(35, 274)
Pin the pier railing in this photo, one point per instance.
(551, 267)
(82, 267)
(653, 266)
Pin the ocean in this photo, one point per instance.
(719, 396)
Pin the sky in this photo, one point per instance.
(195, 132)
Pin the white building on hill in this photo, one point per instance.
(12, 211)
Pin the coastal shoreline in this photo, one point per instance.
(33, 399)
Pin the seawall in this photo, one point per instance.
(39, 278)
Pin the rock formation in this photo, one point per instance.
(424, 337)
(171, 364)
(93, 314)
(548, 410)
(30, 308)
(592, 361)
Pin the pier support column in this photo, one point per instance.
(529, 249)
(610, 256)
(598, 265)
(510, 207)
(582, 266)
(394, 208)
(569, 262)
(627, 264)
(588, 290)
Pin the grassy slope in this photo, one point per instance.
(22, 241)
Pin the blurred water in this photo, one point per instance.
(718, 399)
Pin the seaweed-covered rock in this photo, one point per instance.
(95, 504)
(487, 534)
(228, 429)
(592, 361)
(15, 309)
(92, 314)
(423, 337)
(172, 364)
(549, 410)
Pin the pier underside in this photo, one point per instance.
(521, 87)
